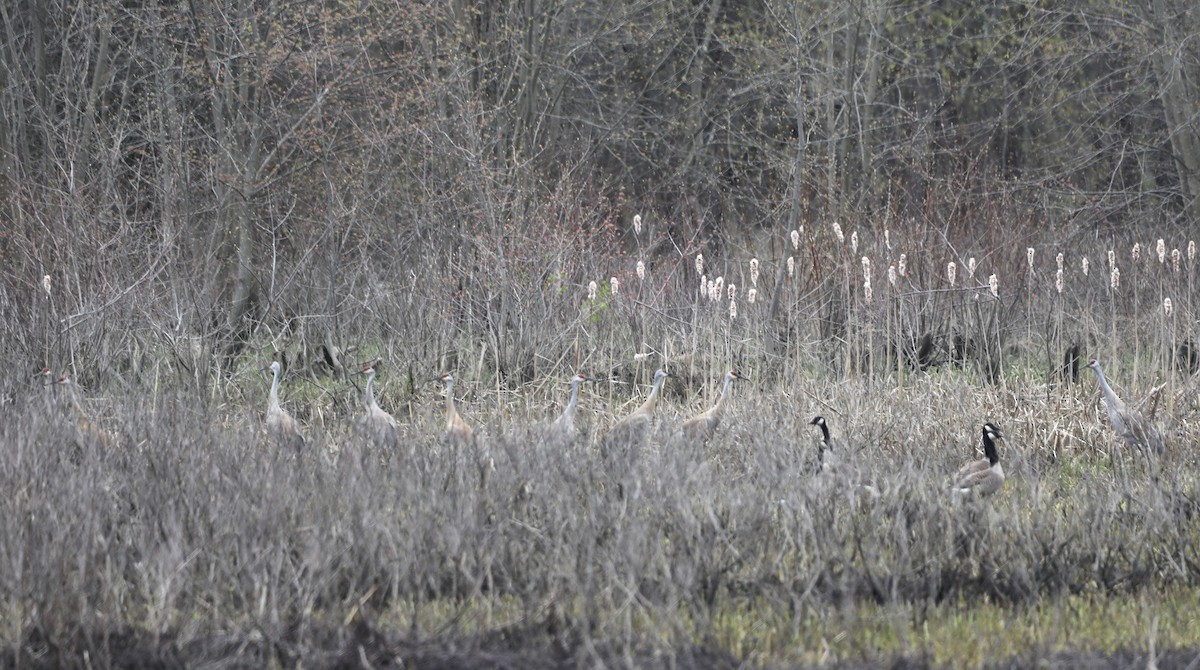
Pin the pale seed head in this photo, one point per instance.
(751, 295)
(837, 231)
(791, 265)
(1114, 280)
(1085, 266)
(754, 272)
(1029, 257)
(971, 268)
(867, 294)
(854, 242)
(732, 309)
(1058, 280)
(892, 275)
(614, 285)
(1175, 256)
(902, 266)
(1161, 248)
(637, 224)
(641, 270)
(951, 271)
(1059, 260)
(866, 266)
(46, 284)
(700, 264)
(1112, 259)
(592, 290)
(1137, 251)
(1167, 306)
(994, 285)
(795, 240)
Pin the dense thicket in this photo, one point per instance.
(200, 172)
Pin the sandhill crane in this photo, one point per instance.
(380, 425)
(632, 429)
(1130, 424)
(458, 431)
(697, 430)
(89, 431)
(280, 425)
(985, 476)
(563, 428)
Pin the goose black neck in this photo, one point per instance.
(824, 436)
(989, 448)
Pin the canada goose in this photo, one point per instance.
(984, 476)
(562, 430)
(827, 456)
(697, 430)
(280, 425)
(1130, 424)
(633, 428)
(380, 425)
(826, 445)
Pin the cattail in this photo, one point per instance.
(592, 291)
(46, 284)
(1112, 259)
(1029, 257)
(1175, 259)
(751, 295)
(732, 291)
(641, 271)
(1059, 260)
(1085, 266)
(791, 266)
(1191, 249)
(866, 265)
(1058, 280)
(887, 239)
(1114, 281)
(971, 268)
(837, 231)
(718, 288)
(867, 291)
(795, 240)
(703, 286)
(732, 309)
(1161, 248)
(892, 275)
(901, 267)
(614, 285)
(854, 242)
(1137, 251)
(994, 284)
(700, 264)
(951, 270)
(1167, 306)
(637, 224)
(754, 272)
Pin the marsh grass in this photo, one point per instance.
(198, 527)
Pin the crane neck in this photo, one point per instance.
(724, 394)
(273, 398)
(369, 392)
(450, 411)
(1109, 394)
(569, 410)
(652, 399)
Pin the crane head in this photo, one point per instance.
(44, 373)
(737, 375)
(1094, 364)
(446, 377)
(581, 377)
